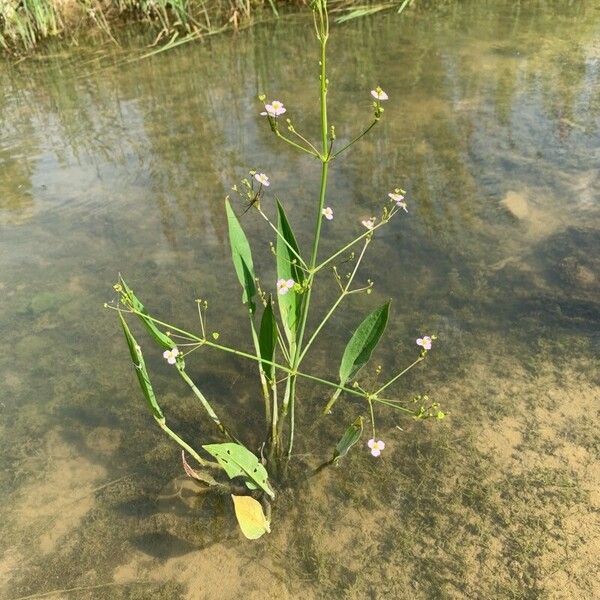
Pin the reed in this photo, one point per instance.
(24, 24)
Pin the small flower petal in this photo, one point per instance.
(371, 443)
(379, 94)
(375, 452)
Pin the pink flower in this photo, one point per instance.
(275, 109)
(284, 286)
(369, 223)
(424, 342)
(376, 446)
(328, 213)
(379, 94)
(171, 355)
(262, 179)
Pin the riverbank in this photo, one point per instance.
(25, 25)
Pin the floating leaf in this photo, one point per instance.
(242, 257)
(363, 341)
(350, 437)
(250, 517)
(238, 461)
(141, 371)
(129, 298)
(267, 337)
(287, 268)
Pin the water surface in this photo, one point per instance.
(493, 127)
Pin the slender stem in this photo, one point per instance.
(345, 292)
(310, 145)
(292, 143)
(349, 245)
(201, 461)
(282, 237)
(261, 373)
(372, 417)
(206, 404)
(289, 400)
(393, 379)
(355, 139)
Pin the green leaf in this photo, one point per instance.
(287, 268)
(238, 461)
(267, 337)
(350, 437)
(363, 341)
(250, 516)
(242, 258)
(130, 299)
(141, 371)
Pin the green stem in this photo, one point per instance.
(292, 143)
(393, 379)
(204, 463)
(354, 241)
(344, 293)
(355, 139)
(206, 404)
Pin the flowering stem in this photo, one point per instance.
(345, 292)
(393, 379)
(289, 400)
(298, 146)
(355, 139)
(372, 416)
(354, 241)
(282, 237)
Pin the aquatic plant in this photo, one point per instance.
(278, 324)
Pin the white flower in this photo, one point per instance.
(171, 355)
(424, 342)
(399, 200)
(369, 223)
(376, 446)
(284, 286)
(328, 213)
(274, 109)
(262, 179)
(379, 94)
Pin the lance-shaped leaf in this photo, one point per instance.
(363, 341)
(288, 268)
(350, 437)
(242, 258)
(130, 299)
(267, 337)
(238, 461)
(141, 371)
(250, 516)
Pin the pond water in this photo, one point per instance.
(108, 166)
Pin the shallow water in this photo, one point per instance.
(493, 127)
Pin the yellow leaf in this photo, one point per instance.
(250, 516)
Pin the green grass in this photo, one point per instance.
(24, 24)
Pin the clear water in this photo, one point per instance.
(493, 127)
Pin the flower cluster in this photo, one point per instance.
(398, 197)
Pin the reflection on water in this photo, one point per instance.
(493, 127)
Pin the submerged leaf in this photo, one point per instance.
(363, 341)
(350, 437)
(242, 257)
(287, 268)
(141, 371)
(238, 461)
(250, 517)
(199, 476)
(130, 299)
